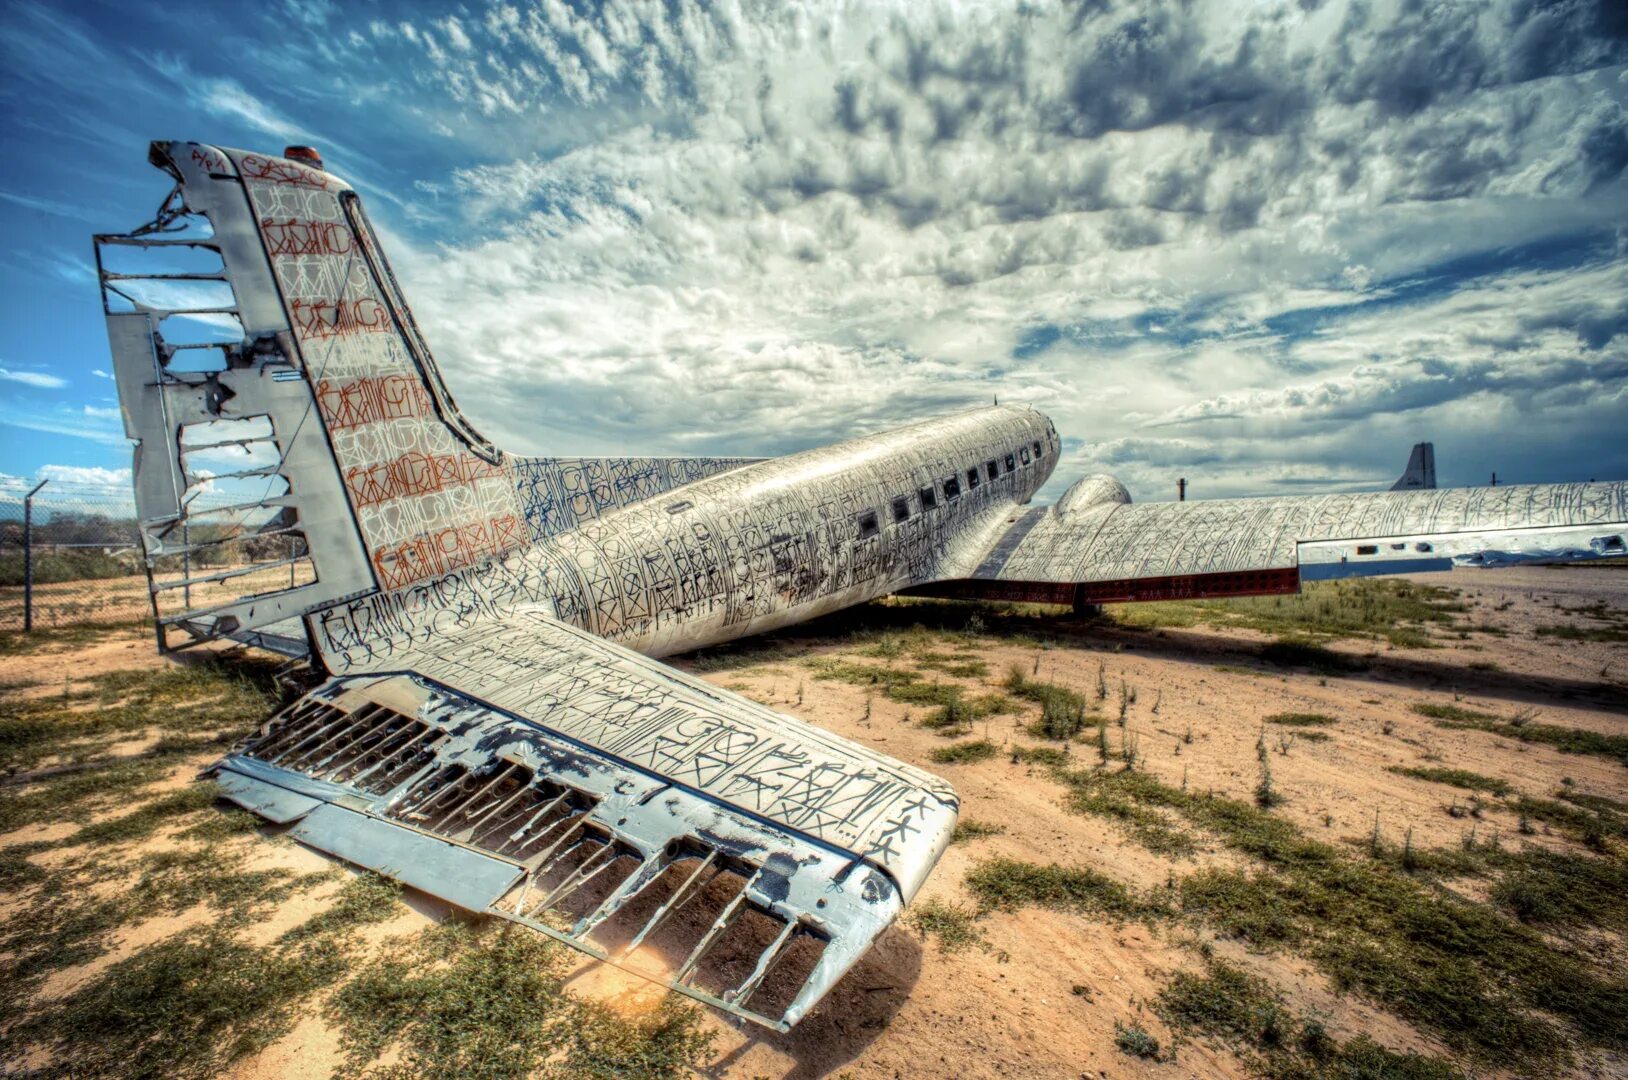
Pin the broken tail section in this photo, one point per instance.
(241, 502)
(297, 445)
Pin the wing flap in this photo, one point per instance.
(538, 774)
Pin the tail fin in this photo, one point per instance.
(295, 440)
(213, 389)
(1421, 471)
(276, 385)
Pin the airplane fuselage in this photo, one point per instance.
(784, 540)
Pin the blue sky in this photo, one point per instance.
(1263, 245)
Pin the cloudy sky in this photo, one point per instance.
(1263, 245)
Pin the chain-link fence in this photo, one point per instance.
(70, 553)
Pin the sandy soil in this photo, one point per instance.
(1043, 999)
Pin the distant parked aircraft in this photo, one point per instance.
(1421, 471)
(494, 730)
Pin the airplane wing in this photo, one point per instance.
(529, 770)
(1094, 546)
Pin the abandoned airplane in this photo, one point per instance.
(494, 729)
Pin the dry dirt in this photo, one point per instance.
(1042, 1000)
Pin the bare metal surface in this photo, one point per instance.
(1111, 541)
(531, 823)
(496, 732)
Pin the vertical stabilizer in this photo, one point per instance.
(1420, 475)
(242, 509)
(296, 445)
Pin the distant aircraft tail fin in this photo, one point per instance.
(1421, 471)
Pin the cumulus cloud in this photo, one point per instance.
(1266, 246)
(764, 229)
(87, 475)
(37, 379)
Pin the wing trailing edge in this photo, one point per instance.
(532, 772)
(1107, 550)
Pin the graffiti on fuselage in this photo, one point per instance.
(752, 549)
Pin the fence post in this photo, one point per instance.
(28, 557)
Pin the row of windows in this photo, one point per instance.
(928, 496)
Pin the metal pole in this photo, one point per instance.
(1181, 490)
(28, 557)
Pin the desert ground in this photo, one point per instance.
(1379, 829)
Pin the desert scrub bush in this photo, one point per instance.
(969, 829)
(1040, 755)
(186, 1007)
(1561, 889)
(1399, 611)
(1301, 719)
(1266, 793)
(150, 816)
(1523, 728)
(1245, 1012)
(1573, 632)
(965, 753)
(953, 925)
(957, 711)
(1009, 884)
(1062, 711)
(1482, 981)
(459, 1000)
(1459, 778)
(1135, 1041)
(363, 900)
(1110, 796)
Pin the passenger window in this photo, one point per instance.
(952, 488)
(901, 508)
(929, 497)
(1367, 549)
(972, 478)
(1037, 453)
(1011, 464)
(867, 525)
(992, 469)
(1023, 451)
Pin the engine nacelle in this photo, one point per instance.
(1091, 491)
